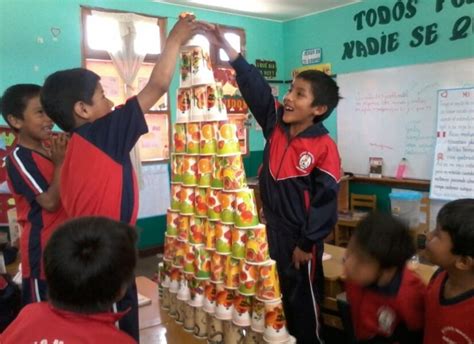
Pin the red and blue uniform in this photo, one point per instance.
(42, 323)
(98, 179)
(448, 320)
(388, 314)
(299, 182)
(29, 174)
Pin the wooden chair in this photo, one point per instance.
(366, 202)
(360, 205)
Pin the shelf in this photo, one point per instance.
(417, 184)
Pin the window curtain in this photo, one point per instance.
(127, 62)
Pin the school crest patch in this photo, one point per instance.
(305, 161)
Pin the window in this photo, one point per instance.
(103, 51)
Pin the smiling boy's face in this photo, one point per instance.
(298, 103)
(35, 124)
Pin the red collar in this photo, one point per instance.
(106, 317)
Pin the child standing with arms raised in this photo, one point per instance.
(97, 176)
(298, 182)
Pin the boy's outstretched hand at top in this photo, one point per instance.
(162, 73)
(216, 37)
(184, 29)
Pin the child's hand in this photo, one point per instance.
(216, 37)
(300, 257)
(58, 148)
(184, 29)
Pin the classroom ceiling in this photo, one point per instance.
(279, 10)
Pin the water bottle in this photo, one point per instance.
(401, 169)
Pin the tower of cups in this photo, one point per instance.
(217, 278)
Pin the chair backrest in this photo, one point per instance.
(425, 208)
(363, 201)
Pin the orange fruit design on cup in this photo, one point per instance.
(204, 165)
(226, 131)
(207, 131)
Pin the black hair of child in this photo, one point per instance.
(325, 91)
(88, 262)
(63, 89)
(457, 218)
(385, 239)
(15, 99)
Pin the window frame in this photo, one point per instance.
(102, 55)
(214, 50)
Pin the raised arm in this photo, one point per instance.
(165, 65)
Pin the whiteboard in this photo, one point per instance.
(453, 166)
(391, 113)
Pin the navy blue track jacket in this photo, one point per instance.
(299, 179)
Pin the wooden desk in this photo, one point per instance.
(156, 327)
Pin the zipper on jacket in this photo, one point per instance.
(283, 157)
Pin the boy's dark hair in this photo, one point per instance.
(15, 99)
(457, 218)
(88, 262)
(63, 89)
(325, 91)
(384, 238)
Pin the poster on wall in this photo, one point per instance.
(242, 131)
(323, 67)
(154, 145)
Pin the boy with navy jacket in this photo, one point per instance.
(298, 183)
(97, 176)
(33, 172)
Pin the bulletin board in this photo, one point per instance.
(391, 113)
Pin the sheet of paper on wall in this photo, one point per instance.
(155, 197)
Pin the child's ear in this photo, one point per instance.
(319, 110)
(15, 122)
(80, 109)
(464, 263)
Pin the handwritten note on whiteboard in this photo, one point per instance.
(391, 113)
(453, 169)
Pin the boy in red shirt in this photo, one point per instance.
(385, 297)
(450, 295)
(89, 265)
(97, 177)
(33, 178)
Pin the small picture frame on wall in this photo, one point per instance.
(375, 167)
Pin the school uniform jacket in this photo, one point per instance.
(42, 323)
(29, 174)
(448, 320)
(299, 177)
(389, 314)
(97, 177)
